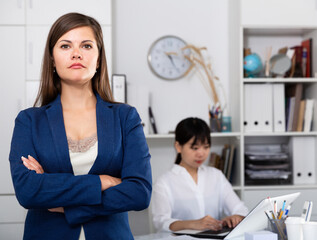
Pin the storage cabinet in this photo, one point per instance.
(12, 94)
(13, 12)
(12, 99)
(39, 12)
(35, 44)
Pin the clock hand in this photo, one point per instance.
(171, 59)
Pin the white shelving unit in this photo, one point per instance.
(258, 38)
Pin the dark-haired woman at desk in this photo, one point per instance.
(192, 195)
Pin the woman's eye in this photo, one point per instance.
(87, 46)
(65, 46)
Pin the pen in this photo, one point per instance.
(308, 213)
(282, 210)
(287, 211)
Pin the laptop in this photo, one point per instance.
(221, 234)
(255, 220)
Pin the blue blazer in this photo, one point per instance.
(122, 153)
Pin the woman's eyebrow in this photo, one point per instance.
(84, 41)
(65, 41)
(88, 41)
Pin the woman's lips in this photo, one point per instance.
(76, 66)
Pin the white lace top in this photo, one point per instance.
(82, 155)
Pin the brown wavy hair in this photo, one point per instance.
(50, 85)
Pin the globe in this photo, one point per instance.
(252, 64)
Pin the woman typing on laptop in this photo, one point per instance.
(192, 195)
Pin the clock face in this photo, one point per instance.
(166, 59)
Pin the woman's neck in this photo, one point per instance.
(77, 98)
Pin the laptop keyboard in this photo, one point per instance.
(211, 232)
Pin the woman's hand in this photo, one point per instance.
(58, 209)
(208, 222)
(204, 223)
(31, 164)
(232, 221)
(108, 181)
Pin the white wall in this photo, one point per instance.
(138, 23)
(279, 12)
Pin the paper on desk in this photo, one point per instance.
(182, 237)
(163, 236)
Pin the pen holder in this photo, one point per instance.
(278, 226)
(215, 124)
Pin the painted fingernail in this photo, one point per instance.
(23, 158)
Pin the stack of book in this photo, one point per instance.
(224, 162)
(298, 111)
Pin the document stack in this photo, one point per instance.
(267, 164)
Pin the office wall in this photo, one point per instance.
(138, 23)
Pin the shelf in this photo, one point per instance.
(213, 135)
(278, 30)
(275, 134)
(159, 136)
(226, 134)
(280, 187)
(279, 80)
(237, 188)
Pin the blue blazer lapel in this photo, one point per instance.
(105, 133)
(55, 118)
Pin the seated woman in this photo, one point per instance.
(192, 195)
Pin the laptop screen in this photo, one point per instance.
(256, 219)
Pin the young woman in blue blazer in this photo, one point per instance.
(79, 161)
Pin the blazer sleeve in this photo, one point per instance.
(134, 192)
(46, 190)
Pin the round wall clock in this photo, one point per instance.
(166, 59)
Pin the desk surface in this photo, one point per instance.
(169, 236)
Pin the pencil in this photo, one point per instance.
(275, 208)
(271, 205)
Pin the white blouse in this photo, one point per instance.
(83, 154)
(176, 196)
